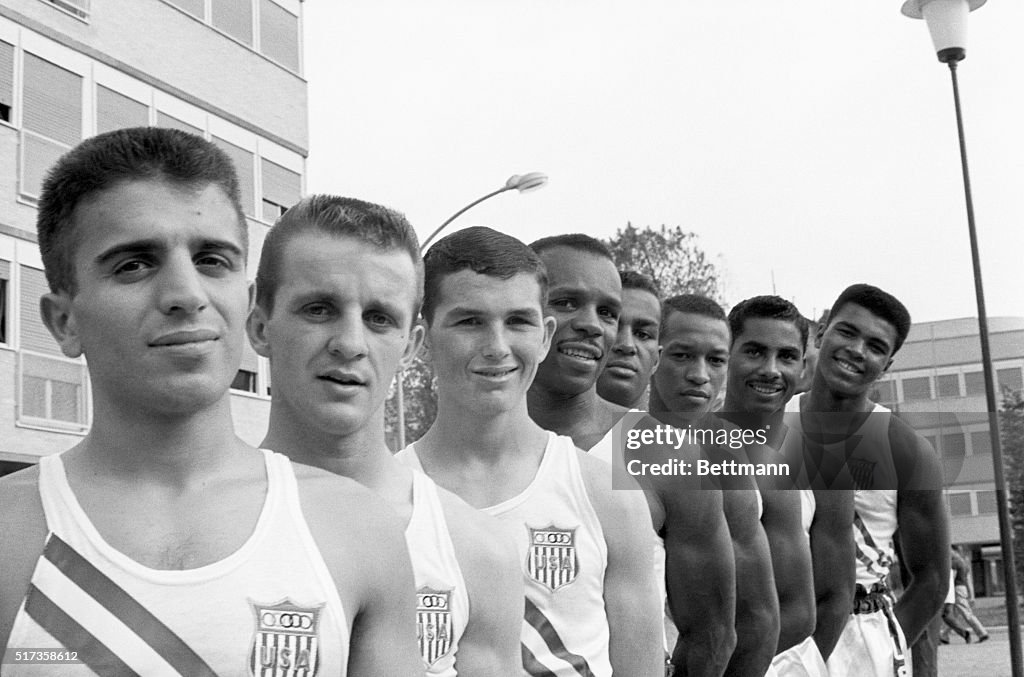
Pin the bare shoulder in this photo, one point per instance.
(341, 504)
(23, 534)
(621, 504)
(484, 545)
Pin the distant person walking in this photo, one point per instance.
(964, 588)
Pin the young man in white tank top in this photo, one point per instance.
(584, 550)
(896, 478)
(338, 290)
(162, 543)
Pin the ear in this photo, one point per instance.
(412, 347)
(887, 365)
(657, 361)
(256, 328)
(59, 318)
(550, 324)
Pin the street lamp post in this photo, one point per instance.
(523, 183)
(947, 23)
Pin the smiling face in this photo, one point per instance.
(585, 298)
(486, 340)
(694, 358)
(855, 349)
(634, 355)
(161, 297)
(764, 366)
(339, 330)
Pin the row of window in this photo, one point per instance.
(51, 110)
(968, 503)
(264, 25)
(968, 384)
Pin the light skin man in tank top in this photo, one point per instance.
(486, 334)
(148, 274)
(339, 288)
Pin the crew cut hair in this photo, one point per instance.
(484, 251)
(769, 308)
(578, 241)
(113, 158)
(632, 279)
(877, 302)
(697, 304)
(372, 224)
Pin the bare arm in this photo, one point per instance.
(490, 568)
(630, 596)
(791, 563)
(22, 537)
(757, 605)
(700, 575)
(833, 556)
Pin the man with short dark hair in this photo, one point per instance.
(161, 510)
(591, 606)
(634, 354)
(338, 290)
(851, 442)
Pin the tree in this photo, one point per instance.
(420, 397)
(671, 257)
(1011, 436)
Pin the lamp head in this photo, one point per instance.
(947, 23)
(526, 182)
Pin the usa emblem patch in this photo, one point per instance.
(434, 624)
(552, 558)
(287, 641)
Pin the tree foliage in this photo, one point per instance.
(671, 257)
(420, 398)
(1011, 436)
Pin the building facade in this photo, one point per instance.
(229, 70)
(937, 383)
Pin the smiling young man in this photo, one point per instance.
(634, 354)
(807, 530)
(338, 290)
(852, 442)
(584, 549)
(695, 341)
(162, 543)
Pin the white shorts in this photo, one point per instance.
(872, 645)
(802, 660)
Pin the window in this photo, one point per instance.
(244, 380)
(986, 502)
(165, 120)
(5, 277)
(948, 385)
(279, 34)
(917, 388)
(194, 7)
(281, 189)
(52, 391)
(244, 165)
(974, 382)
(6, 82)
(981, 442)
(234, 17)
(1009, 378)
(79, 8)
(52, 119)
(954, 445)
(34, 335)
(960, 504)
(114, 111)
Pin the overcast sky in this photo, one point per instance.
(811, 141)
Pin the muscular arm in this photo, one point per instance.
(833, 556)
(757, 606)
(791, 563)
(22, 537)
(630, 596)
(490, 568)
(700, 575)
(923, 530)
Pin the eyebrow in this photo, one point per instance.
(153, 246)
(468, 310)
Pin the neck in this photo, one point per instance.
(561, 413)
(822, 397)
(457, 433)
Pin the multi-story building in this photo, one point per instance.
(938, 372)
(230, 70)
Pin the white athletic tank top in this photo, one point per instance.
(269, 608)
(442, 603)
(808, 504)
(564, 557)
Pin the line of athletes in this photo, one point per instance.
(163, 544)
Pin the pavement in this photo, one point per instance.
(988, 659)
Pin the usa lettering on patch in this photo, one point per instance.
(552, 559)
(286, 642)
(434, 624)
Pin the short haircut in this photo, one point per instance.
(107, 160)
(578, 241)
(632, 279)
(484, 251)
(877, 302)
(696, 304)
(769, 308)
(372, 224)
